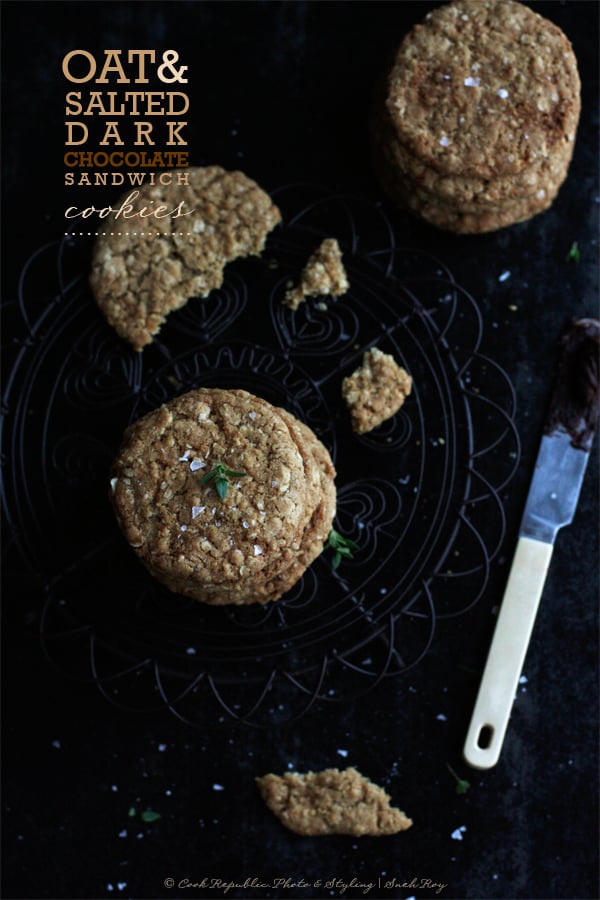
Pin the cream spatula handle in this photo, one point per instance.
(507, 653)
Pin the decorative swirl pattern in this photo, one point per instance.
(421, 495)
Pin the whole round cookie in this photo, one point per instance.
(166, 483)
(484, 88)
(141, 272)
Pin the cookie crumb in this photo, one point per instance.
(375, 391)
(331, 802)
(323, 275)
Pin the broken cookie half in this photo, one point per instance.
(172, 243)
(323, 275)
(331, 802)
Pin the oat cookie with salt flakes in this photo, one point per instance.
(180, 528)
(331, 802)
(254, 542)
(323, 275)
(375, 391)
(138, 279)
(484, 88)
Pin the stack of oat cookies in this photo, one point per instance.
(224, 497)
(475, 126)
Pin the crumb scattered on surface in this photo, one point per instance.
(376, 390)
(331, 802)
(323, 275)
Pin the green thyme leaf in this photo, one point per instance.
(462, 786)
(343, 548)
(221, 475)
(574, 255)
(149, 815)
(131, 812)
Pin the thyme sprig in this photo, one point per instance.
(343, 548)
(462, 785)
(221, 475)
(574, 254)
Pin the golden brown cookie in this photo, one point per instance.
(468, 194)
(375, 391)
(483, 88)
(474, 128)
(143, 273)
(331, 802)
(234, 546)
(323, 275)
(179, 526)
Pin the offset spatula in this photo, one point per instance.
(551, 503)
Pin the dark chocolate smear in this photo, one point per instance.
(575, 405)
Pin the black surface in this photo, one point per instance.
(282, 91)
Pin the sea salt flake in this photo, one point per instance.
(123, 834)
(183, 528)
(441, 717)
(444, 142)
(457, 834)
(185, 456)
(196, 464)
(257, 550)
(113, 484)
(161, 748)
(502, 93)
(56, 745)
(342, 752)
(218, 787)
(191, 651)
(504, 276)
(251, 415)
(244, 524)
(472, 82)
(523, 679)
(196, 510)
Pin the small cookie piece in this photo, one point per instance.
(331, 802)
(139, 277)
(375, 391)
(323, 275)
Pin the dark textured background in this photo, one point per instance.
(282, 90)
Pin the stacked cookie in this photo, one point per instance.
(224, 497)
(475, 125)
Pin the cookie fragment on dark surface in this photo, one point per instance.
(331, 802)
(323, 275)
(375, 391)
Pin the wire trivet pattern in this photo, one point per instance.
(420, 495)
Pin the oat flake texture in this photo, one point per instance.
(138, 279)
